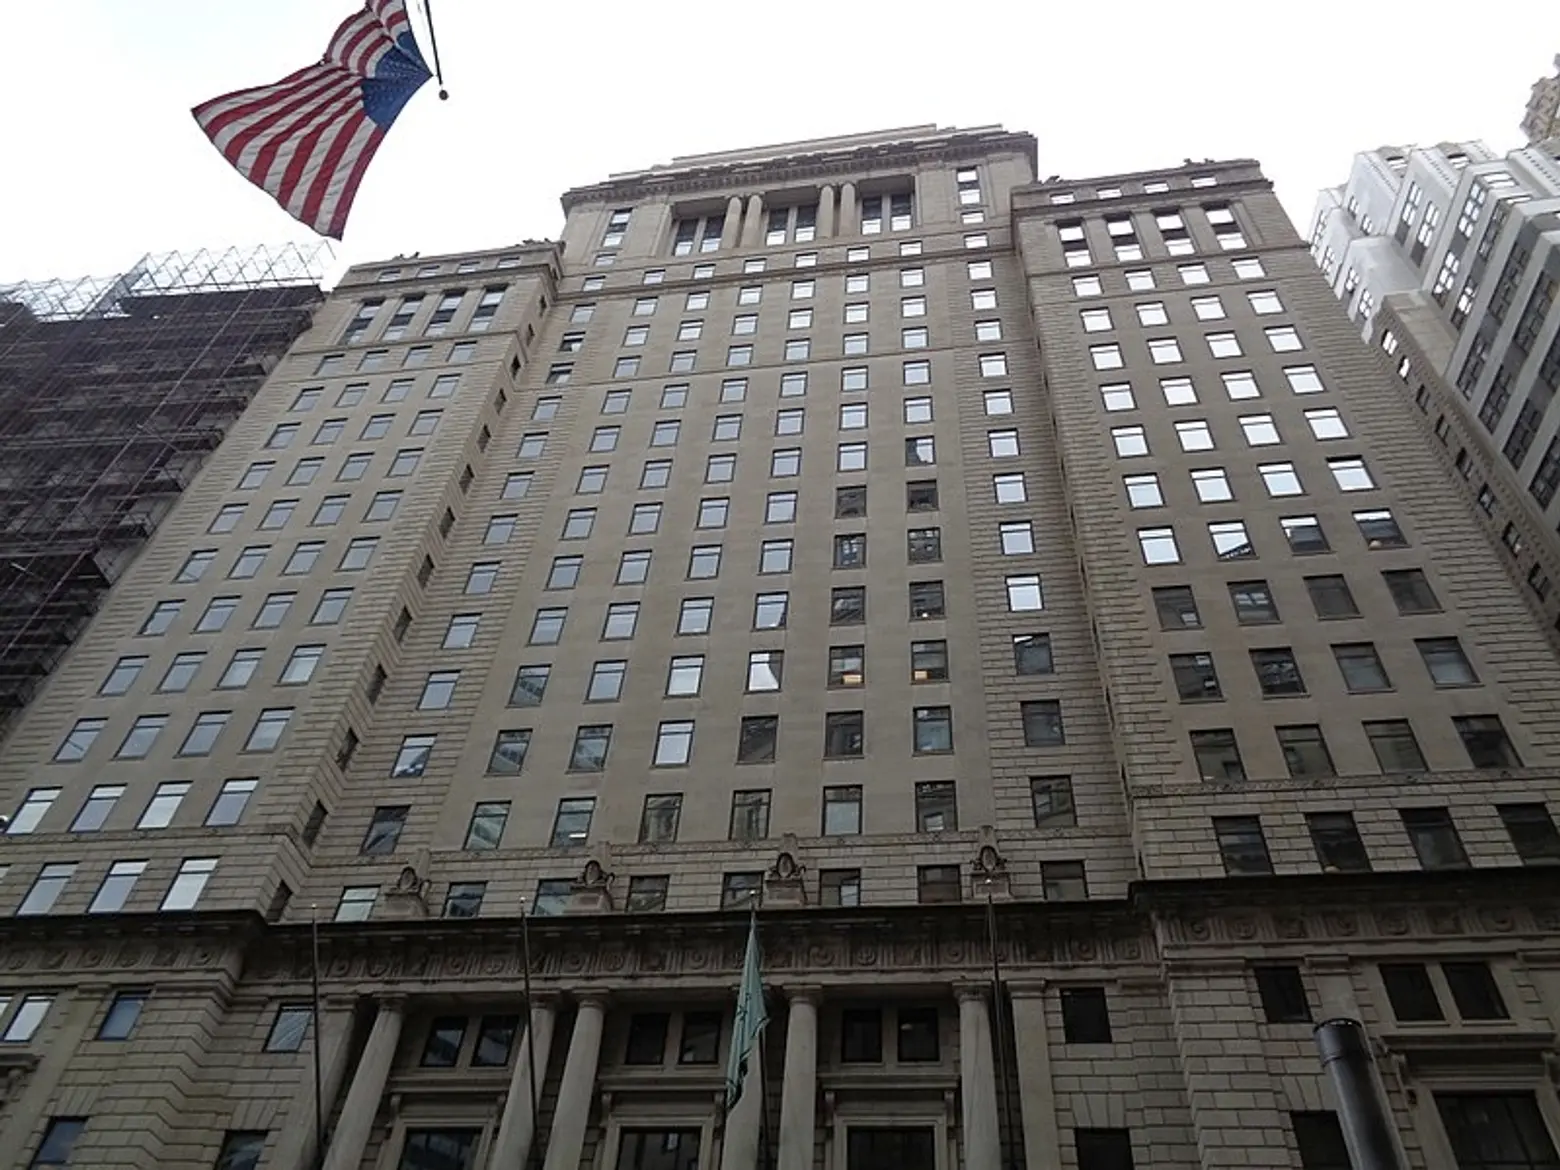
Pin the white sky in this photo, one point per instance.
(102, 161)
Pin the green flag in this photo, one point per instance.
(750, 1020)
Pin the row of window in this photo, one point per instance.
(792, 384)
(329, 511)
(201, 739)
(796, 349)
(273, 609)
(334, 365)
(757, 740)
(1122, 232)
(1163, 351)
(1303, 536)
(1277, 670)
(446, 307)
(1142, 279)
(1431, 832)
(1238, 385)
(765, 674)
(1253, 603)
(1148, 187)
(771, 610)
(114, 892)
(120, 1016)
(226, 808)
(303, 559)
(1204, 308)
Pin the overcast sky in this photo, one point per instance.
(102, 161)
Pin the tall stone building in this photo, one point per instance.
(1446, 257)
(1541, 120)
(860, 531)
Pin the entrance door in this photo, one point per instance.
(658, 1149)
(909, 1148)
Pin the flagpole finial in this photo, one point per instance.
(444, 95)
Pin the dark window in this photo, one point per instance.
(384, 830)
(1085, 1015)
(1032, 654)
(495, 1039)
(1330, 596)
(1485, 739)
(445, 1036)
(1410, 991)
(929, 661)
(921, 496)
(646, 1038)
(1242, 845)
(1411, 591)
(844, 734)
(743, 890)
(241, 1150)
(1103, 1149)
(861, 1036)
(1195, 677)
(1253, 602)
(123, 1012)
(1043, 723)
(1218, 755)
(1395, 746)
(700, 1042)
(1305, 750)
(1277, 671)
(1474, 991)
(1283, 995)
(1177, 608)
(659, 1149)
(1361, 667)
(59, 1139)
(847, 606)
(926, 600)
(918, 1035)
(850, 551)
(756, 739)
(936, 807)
(439, 1149)
(850, 502)
(1320, 1139)
(922, 545)
(1434, 838)
(1532, 831)
(1496, 1131)
(1052, 797)
(1063, 881)
(890, 1149)
(1337, 841)
(939, 883)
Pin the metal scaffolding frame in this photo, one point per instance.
(113, 391)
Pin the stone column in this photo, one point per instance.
(799, 1089)
(825, 213)
(731, 228)
(1036, 1091)
(753, 225)
(295, 1146)
(578, 1088)
(356, 1123)
(850, 225)
(977, 1080)
(517, 1126)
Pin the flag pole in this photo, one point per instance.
(314, 1011)
(999, 1030)
(530, 1029)
(433, 42)
(766, 1150)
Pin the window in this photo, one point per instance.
(1474, 991)
(382, 506)
(938, 883)
(1042, 720)
(208, 725)
(1196, 680)
(412, 757)
(184, 667)
(704, 562)
(591, 744)
(78, 741)
(1410, 992)
(268, 729)
(780, 508)
(218, 611)
(1217, 754)
(30, 1012)
(486, 828)
(508, 754)
(1085, 1016)
(1532, 831)
(1223, 345)
(1305, 751)
(333, 603)
(1337, 842)
(1161, 350)
(1434, 837)
(622, 618)
(1361, 667)
(358, 554)
(1283, 338)
(1331, 597)
(932, 730)
(273, 610)
(142, 735)
(1396, 748)
(847, 666)
(1106, 357)
(194, 567)
(775, 556)
(1024, 593)
(844, 734)
(1158, 546)
(1063, 881)
(769, 611)
(606, 681)
(713, 512)
(189, 883)
(644, 519)
(1446, 662)
(1242, 845)
(1176, 606)
(1143, 490)
(1350, 474)
(1411, 592)
(1304, 535)
(34, 806)
(1282, 993)
(1208, 308)
(1303, 379)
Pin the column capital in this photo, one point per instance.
(965, 991)
(803, 993)
(340, 1001)
(393, 1002)
(549, 1001)
(595, 997)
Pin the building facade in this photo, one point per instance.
(1445, 256)
(1541, 120)
(989, 582)
(112, 394)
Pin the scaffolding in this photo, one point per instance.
(112, 394)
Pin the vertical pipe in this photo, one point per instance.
(318, 1039)
(1362, 1114)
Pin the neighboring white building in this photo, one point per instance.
(1448, 257)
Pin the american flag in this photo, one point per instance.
(307, 140)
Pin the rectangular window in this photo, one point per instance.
(1242, 845)
(1085, 1015)
(1434, 838)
